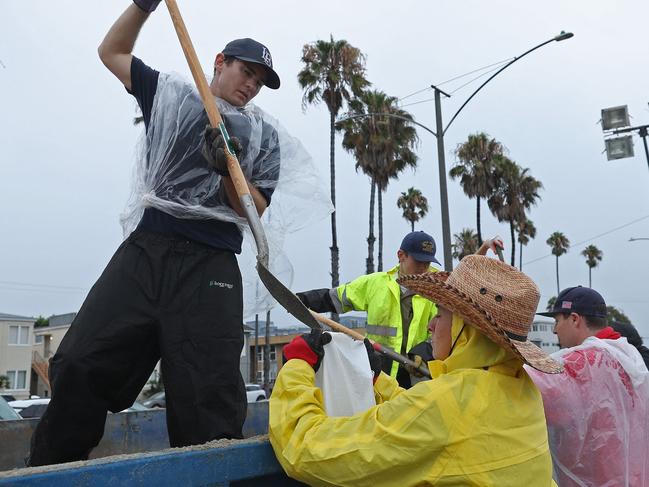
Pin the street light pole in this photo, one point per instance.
(443, 191)
(439, 136)
(446, 229)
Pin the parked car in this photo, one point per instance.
(255, 392)
(6, 411)
(155, 401)
(21, 404)
(33, 411)
(8, 397)
(135, 407)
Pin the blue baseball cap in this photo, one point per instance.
(255, 52)
(421, 246)
(581, 300)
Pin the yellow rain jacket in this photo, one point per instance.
(479, 422)
(379, 295)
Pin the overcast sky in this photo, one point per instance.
(67, 139)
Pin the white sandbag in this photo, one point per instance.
(345, 377)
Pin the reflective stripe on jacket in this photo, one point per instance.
(380, 296)
(479, 422)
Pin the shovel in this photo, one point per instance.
(279, 291)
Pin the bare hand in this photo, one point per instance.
(492, 244)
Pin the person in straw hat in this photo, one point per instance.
(479, 421)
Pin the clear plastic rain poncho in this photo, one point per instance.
(171, 175)
(597, 412)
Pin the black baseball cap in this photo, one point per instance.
(255, 52)
(581, 300)
(421, 246)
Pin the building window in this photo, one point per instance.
(17, 379)
(18, 335)
(260, 354)
(38, 339)
(535, 327)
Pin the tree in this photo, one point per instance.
(414, 205)
(551, 303)
(474, 168)
(465, 243)
(4, 382)
(526, 231)
(593, 257)
(514, 192)
(560, 245)
(382, 147)
(613, 314)
(333, 71)
(40, 321)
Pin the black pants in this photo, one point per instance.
(158, 298)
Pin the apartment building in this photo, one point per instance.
(16, 353)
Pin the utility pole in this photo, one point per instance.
(267, 356)
(443, 191)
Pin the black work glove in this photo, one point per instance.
(213, 150)
(376, 359)
(317, 299)
(308, 347)
(147, 5)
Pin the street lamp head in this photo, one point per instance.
(563, 36)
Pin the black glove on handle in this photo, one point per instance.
(318, 300)
(213, 150)
(375, 358)
(147, 5)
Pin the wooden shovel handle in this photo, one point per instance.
(206, 95)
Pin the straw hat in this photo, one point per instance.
(492, 296)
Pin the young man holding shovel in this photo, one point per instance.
(173, 289)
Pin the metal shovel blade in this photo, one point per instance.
(285, 297)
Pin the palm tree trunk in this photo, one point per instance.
(520, 257)
(477, 219)
(380, 256)
(334, 239)
(369, 262)
(558, 276)
(412, 225)
(511, 232)
(590, 282)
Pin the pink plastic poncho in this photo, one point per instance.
(597, 412)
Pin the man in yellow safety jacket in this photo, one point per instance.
(396, 317)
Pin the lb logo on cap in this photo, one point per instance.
(265, 55)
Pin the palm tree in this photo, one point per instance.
(551, 303)
(414, 205)
(382, 147)
(515, 191)
(593, 257)
(560, 245)
(466, 243)
(474, 168)
(333, 71)
(526, 231)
